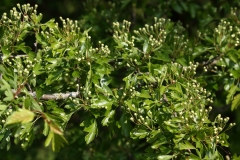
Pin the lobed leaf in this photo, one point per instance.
(21, 116)
(235, 102)
(92, 132)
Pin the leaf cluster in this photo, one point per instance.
(149, 85)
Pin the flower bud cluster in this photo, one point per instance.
(71, 28)
(17, 23)
(121, 35)
(156, 34)
(142, 116)
(227, 31)
(24, 66)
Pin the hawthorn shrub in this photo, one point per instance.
(148, 96)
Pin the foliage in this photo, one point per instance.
(145, 91)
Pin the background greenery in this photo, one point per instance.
(99, 14)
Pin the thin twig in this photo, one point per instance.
(54, 96)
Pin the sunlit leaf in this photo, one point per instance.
(145, 46)
(194, 157)
(130, 105)
(53, 77)
(92, 132)
(235, 102)
(58, 142)
(49, 138)
(55, 128)
(108, 115)
(186, 145)
(139, 132)
(161, 140)
(144, 94)
(46, 128)
(50, 23)
(165, 157)
(21, 116)
(6, 52)
(2, 108)
(231, 93)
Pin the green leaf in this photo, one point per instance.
(46, 128)
(186, 145)
(6, 52)
(108, 115)
(143, 94)
(125, 125)
(107, 89)
(50, 23)
(2, 69)
(231, 93)
(165, 157)
(54, 62)
(162, 56)
(22, 47)
(165, 150)
(55, 128)
(139, 132)
(76, 74)
(178, 138)
(130, 105)
(58, 142)
(176, 96)
(194, 157)
(21, 116)
(5, 85)
(3, 107)
(49, 138)
(86, 31)
(177, 8)
(39, 93)
(178, 107)
(147, 102)
(179, 88)
(153, 136)
(200, 146)
(102, 103)
(35, 105)
(162, 89)
(161, 140)
(182, 60)
(9, 95)
(27, 103)
(40, 39)
(193, 8)
(145, 46)
(36, 18)
(37, 69)
(227, 86)
(92, 132)
(233, 55)
(200, 50)
(53, 77)
(235, 73)
(236, 157)
(235, 102)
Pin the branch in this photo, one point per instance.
(56, 96)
